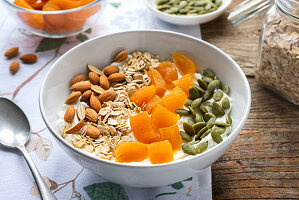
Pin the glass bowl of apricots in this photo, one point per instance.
(55, 18)
(145, 108)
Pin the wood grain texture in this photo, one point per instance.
(263, 161)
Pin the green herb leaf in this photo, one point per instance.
(88, 30)
(115, 4)
(48, 44)
(177, 186)
(106, 191)
(188, 179)
(82, 37)
(166, 193)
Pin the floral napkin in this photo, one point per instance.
(67, 179)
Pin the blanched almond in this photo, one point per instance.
(95, 103)
(94, 69)
(91, 115)
(11, 52)
(108, 95)
(69, 114)
(81, 86)
(81, 112)
(75, 128)
(92, 131)
(116, 77)
(78, 78)
(121, 56)
(93, 78)
(110, 70)
(74, 96)
(104, 82)
(85, 96)
(97, 89)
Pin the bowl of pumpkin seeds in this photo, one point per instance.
(187, 12)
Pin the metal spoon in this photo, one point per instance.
(15, 132)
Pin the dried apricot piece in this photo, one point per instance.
(185, 82)
(184, 64)
(168, 71)
(158, 81)
(161, 117)
(160, 152)
(152, 103)
(172, 134)
(174, 100)
(142, 128)
(143, 95)
(131, 152)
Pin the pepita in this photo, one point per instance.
(203, 108)
(205, 133)
(228, 119)
(208, 116)
(198, 126)
(221, 124)
(196, 103)
(219, 130)
(192, 111)
(217, 96)
(218, 110)
(189, 149)
(197, 137)
(208, 73)
(185, 136)
(225, 88)
(182, 112)
(216, 137)
(225, 103)
(211, 121)
(188, 128)
(202, 147)
(202, 84)
(198, 118)
(207, 79)
(188, 102)
(199, 88)
(215, 84)
(193, 93)
(206, 96)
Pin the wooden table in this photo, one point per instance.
(263, 161)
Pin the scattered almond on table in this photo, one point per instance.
(11, 52)
(14, 67)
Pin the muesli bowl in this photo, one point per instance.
(99, 52)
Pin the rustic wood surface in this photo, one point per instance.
(263, 161)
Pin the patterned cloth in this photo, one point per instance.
(65, 177)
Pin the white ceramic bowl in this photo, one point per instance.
(187, 20)
(99, 52)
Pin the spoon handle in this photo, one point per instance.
(44, 190)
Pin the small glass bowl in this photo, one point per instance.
(56, 24)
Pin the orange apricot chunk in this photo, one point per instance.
(168, 71)
(152, 103)
(142, 128)
(160, 152)
(158, 81)
(185, 82)
(143, 95)
(131, 152)
(184, 64)
(161, 117)
(172, 134)
(174, 100)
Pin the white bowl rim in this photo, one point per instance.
(67, 144)
(215, 12)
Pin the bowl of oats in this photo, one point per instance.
(143, 114)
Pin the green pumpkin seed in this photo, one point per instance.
(218, 2)
(208, 6)
(194, 142)
(202, 147)
(208, 116)
(199, 88)
(188, 128)
(218, 110)
(185, 136)
(208, 73)
(202, 84)
(203, 108)
(191, 122)
(182, 112)
(217, 96)
(206, 96)
(198, 126)
(211, 121)
(207, 79)
(219, 130)
(189, 149)
(198, 118)
(216, 137)
(162, 7)
(174, 9)
(200, 3)
(204, 129)
(210, 104)
(221, 124)
(160, 2)
(188, 102)
(213, 85)
(192, 111)
(228, 119)
(182, 4)
(225, 88)
(207, 132)
(184, 11)
(217, 78)
(193, 93)
(196, 103)
(225, 103)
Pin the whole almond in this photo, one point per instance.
(94, 69)
(93, 78)
(92, 131)
(85, 96)
(110, 70)
(11, 52)
(95, 103)
(80, 112)
(91, 115)
(108, 95)
(75, 128)
(121, 56)
(74, 96)
(29, 58)
(81, 86)
(116, 77)
(104, 82)
(78, 78)
(14, 67)
(69, 114)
